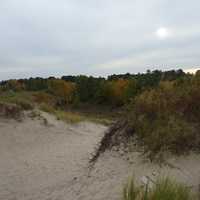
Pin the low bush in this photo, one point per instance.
(167, 118)
(43, 97)
(10, 110)
(24, 104)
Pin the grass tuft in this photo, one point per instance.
(164, 189)
(130, 191)
(69, 116)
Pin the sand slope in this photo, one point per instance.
(35, 157)
(50, 162)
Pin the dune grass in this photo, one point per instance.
(22, 99)
(61, 115)
(73, 117)
(68, 116)
(131, 191)
(27, 100)
(164, 189)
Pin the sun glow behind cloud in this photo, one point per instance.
(163, 33)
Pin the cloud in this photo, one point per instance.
(88, 37)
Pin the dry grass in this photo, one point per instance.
(73, 117)
(27, 100)
(69, 116)
(22, 99)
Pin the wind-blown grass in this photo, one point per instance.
(164, 189)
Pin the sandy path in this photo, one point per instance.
(39, 162)
(36, 159)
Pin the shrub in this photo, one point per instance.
(65, 92)
(25, 105)
(43, 97)
(10, 110)
(167, 118)
(171, 134)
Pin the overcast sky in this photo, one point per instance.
(97, 37)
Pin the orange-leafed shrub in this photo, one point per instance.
(64, 91)
(44, 97)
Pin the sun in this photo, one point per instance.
(162, 33)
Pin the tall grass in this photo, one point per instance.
(130, 190)
(169, 190)
(164, 189)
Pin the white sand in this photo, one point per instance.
(39, 162)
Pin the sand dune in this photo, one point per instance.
(40, 161)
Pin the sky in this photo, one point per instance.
(97, 37)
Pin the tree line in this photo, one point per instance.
(115, 90)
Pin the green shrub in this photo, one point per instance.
(171, 134)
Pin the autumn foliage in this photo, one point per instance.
(167, 118)
(62, 90)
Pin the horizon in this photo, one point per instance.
(187, 71)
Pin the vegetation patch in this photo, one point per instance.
(47, 108)
(68, 116)
(22, 99)
(161, 119)
(163, 189)
(163, 108)
(10, 111)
